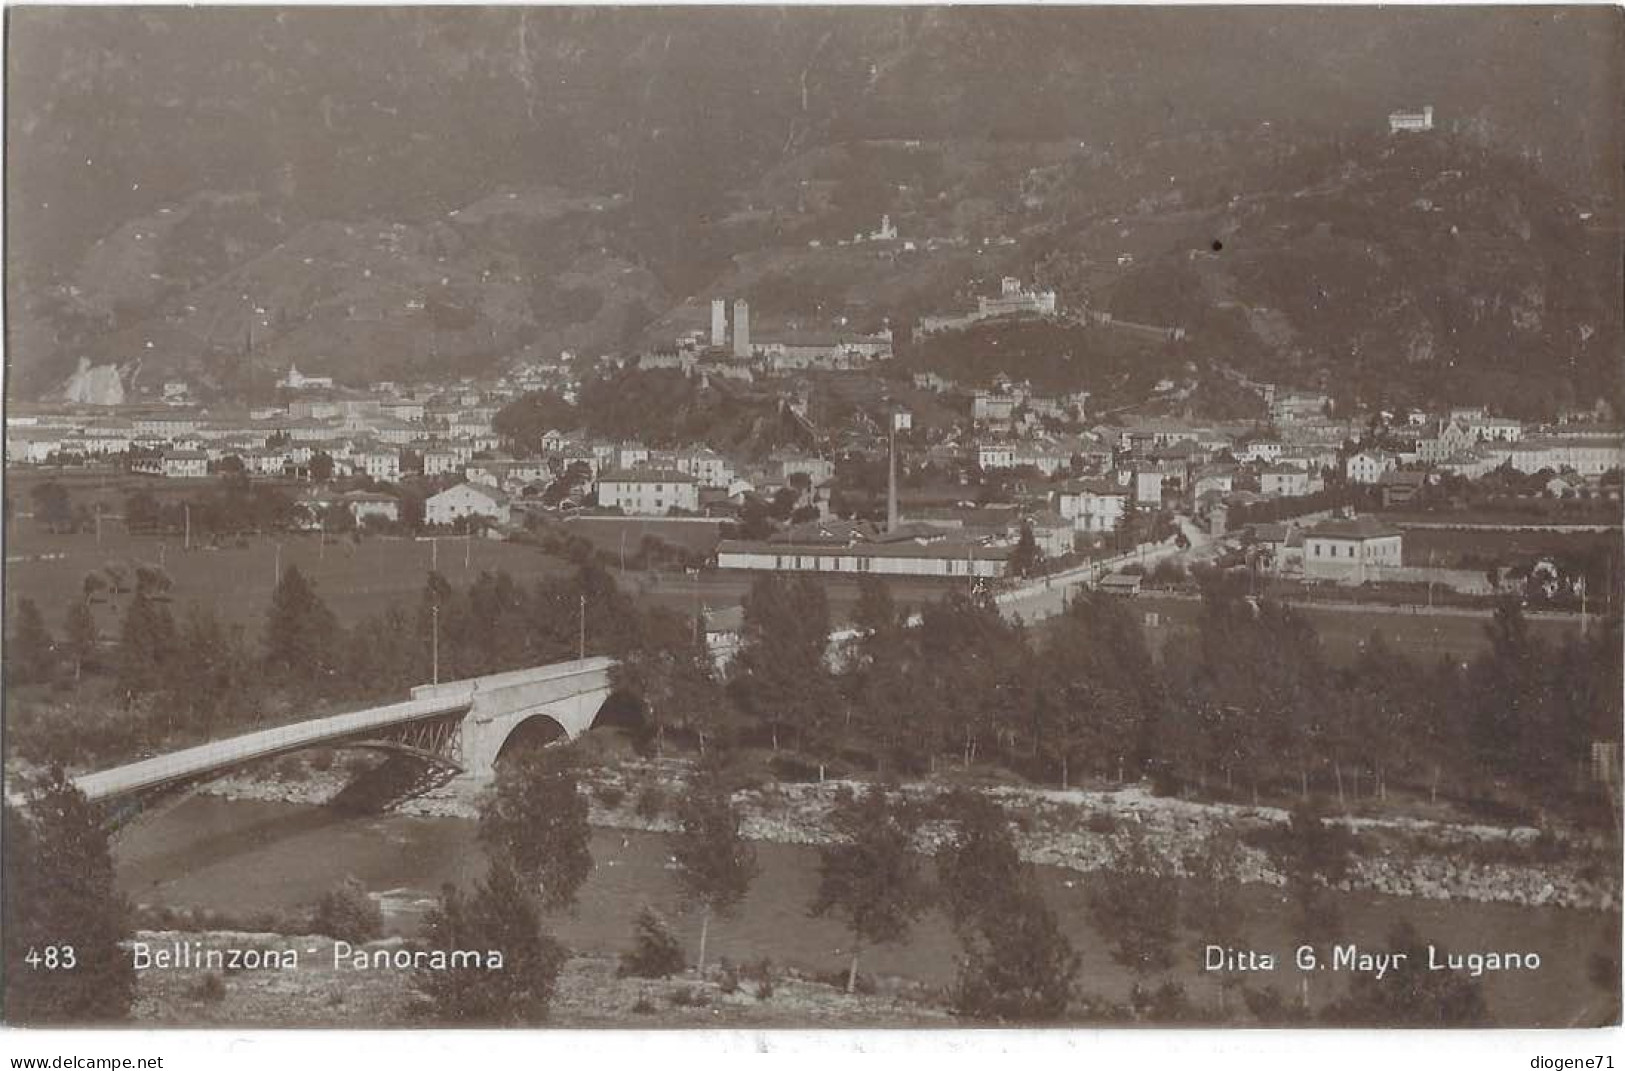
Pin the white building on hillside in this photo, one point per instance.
(648, 492)
(464, 501)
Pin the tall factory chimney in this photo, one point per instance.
(719, 323)
(741, 328)
(892, 518)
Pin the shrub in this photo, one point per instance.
(655, 953)
(321, 760)
(349, 914)
(690, 997)
(761, 972)
(643, 1006)
(610, 795)
(290, 768)
(730, 979)
(837, 980)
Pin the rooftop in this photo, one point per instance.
(1358, 528)
(645, 476)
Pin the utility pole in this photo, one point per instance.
(434, 554)
(468, 543)
(278, 571)
(434, 638)
(187, 507)
(581, 643)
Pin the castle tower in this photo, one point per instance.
(741, 328)
(719, 323)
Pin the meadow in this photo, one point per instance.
(355, 579)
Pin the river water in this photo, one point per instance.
(242, 857)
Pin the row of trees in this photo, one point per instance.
(198, 675)
(1245, 701)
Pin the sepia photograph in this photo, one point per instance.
(809, 518)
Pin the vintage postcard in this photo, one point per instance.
(813, 518)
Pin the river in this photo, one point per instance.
(242, 857)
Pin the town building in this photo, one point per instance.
(648, 492)
(383, 465)
(940, 557)
(1411, 122)
(364, 505)
(1288, 481)
(1093, 505)
(464, 501)
(295, 380)
(186, 464)
(1351, 550)
(1367, 466)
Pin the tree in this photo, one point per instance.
(1135, 899)
(1018, 964)
(877, 678)
(147, 647)
(1410, 993)
(61, 893)
(1211, 908)
(499, 919)
(141, 512)
(780, 672)
(1312, 853)
(80, 636)
(31, 654)
(870, 875)
(348, 914)
(669, 667)
(321, 467)
(212, 670)
(979, 866)
(715, 865)
(536, 819)
(1018, 967)
(1024, 561)
(53, 507)
(301, 633)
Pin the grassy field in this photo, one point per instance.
(614, 534)
(104, 484)
(354, 580)
(1464, 548)
(1418, 633)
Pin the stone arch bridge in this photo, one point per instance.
(457, 727)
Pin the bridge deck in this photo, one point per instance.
(219, 754)
(428, 701)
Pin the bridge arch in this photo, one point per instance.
(536, 731)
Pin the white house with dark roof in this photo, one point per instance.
(466, 500)
(1092, 505)
(1367, 466)
(186, 464)
(648, 492)
(1352, 550)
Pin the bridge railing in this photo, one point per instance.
(533, 675)
(189, 762)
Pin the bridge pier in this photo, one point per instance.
(569, 693)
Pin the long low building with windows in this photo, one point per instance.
(904, 558)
